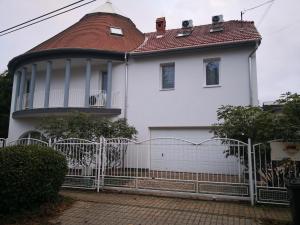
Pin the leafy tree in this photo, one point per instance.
(243, 122)
(289, 118)
(82, 126)
(261, 126)
(6, 83)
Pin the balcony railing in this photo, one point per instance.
(97, 99)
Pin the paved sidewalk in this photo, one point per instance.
(113, 208)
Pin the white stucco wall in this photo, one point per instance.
(118, 87)
(190, 103)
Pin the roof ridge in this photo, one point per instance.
(202, 36)
(203, 25)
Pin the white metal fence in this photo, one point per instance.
(212, 167)
(84, 162)
(215, 167)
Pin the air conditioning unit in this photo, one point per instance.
(217, 19)
(187, 23)
(93, 100)
(97, 100)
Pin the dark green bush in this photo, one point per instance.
(29, 176)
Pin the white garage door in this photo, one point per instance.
(175, 155)
(190, 134)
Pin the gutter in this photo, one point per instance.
(126, 85)
(49, 54)
(250, 73)
(217, 46)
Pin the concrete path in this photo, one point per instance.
(114, 208)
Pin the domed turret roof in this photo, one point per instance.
(94, 31)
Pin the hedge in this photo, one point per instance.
(29, 176)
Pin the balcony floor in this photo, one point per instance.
(61, 111)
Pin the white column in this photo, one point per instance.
(17, 94)
(22, 87)
(109, 84)
(32, 85)
(87, 82)
(47, 84)
(67, 82)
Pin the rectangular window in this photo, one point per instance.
(168, 76)
(212, 70)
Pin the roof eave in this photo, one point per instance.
(247, 43)
(59, 53)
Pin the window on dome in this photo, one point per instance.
(116, 31)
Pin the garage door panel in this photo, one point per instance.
(186, 157)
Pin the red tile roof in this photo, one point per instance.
(93, 32)
(234, 32)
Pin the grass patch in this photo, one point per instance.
(39, 215)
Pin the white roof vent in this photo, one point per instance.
(107, 7)
(187, 24)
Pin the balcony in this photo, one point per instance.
(97, 103)
(59, 86)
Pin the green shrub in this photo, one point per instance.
(29, 176)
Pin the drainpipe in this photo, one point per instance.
(250, 73)
(126, 85)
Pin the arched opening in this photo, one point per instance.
(34, 135)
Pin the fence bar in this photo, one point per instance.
(250, 172)
(255, 171)
(98, 152)
(103, 163)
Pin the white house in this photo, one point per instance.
(167, 83)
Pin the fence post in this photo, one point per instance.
(99, 150)
(250, 172)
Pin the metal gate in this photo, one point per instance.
(28, 141)
(2, 142)
(212, 167)
(270, 174)
(84, 162)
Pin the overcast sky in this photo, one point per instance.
(278, 57)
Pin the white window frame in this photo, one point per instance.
(160, 76)
(205, 62)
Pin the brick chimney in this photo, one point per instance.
(161, 25)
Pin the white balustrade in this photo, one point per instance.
(97, 99)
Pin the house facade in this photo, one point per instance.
(167, 83)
